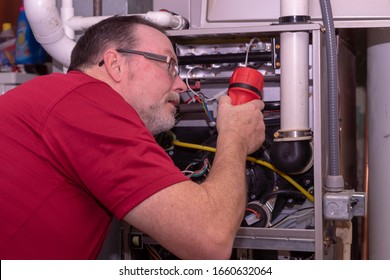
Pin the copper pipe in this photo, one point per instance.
(364, 254)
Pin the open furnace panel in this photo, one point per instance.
(283, 218)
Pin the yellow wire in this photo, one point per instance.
(252, 159)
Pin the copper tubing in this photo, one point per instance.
(364, 253)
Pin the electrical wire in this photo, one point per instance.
(196, 94)
(222, 92)
(206, 109)
(249, 48)
(251, 159)
(197, 173)
(217, 95)
(199, 96)
(293, 216)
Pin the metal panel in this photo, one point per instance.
(275, 239)
(261, 10)
(85, 8)
(229, 13)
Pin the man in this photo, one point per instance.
(78, 148)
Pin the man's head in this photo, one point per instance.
(117, 32)
(136, 58)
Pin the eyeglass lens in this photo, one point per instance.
(173, 69)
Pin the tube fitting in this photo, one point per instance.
(292, 157)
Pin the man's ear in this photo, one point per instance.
(113, 63)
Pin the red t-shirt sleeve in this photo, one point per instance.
(98, 141)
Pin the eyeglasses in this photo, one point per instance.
(172, 70)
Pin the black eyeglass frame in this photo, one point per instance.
(172, 63)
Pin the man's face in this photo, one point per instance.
(150, 89)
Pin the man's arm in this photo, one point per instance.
(199, 221)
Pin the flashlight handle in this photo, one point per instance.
(240, 96)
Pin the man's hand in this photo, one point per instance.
(243, 124)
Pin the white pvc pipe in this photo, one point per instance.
(78, 23)
(294, 83)
(56, 34)
(67, 12)
(294, 7)
(163, 18)
(46, 24)
(294, 80)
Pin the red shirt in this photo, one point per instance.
(72, 153)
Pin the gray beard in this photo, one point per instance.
(156, 120)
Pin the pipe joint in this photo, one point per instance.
(53, 37)
(334, 183)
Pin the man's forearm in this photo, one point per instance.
(227, 183)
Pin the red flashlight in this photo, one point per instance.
(245, 85)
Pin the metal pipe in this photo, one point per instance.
(97, 7)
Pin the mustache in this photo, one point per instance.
(173, 98)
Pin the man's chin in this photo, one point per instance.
(163, 126)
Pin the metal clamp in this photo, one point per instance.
(293, 135)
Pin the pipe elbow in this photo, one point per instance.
(46, 24)
(292, 157)
(44, 18)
